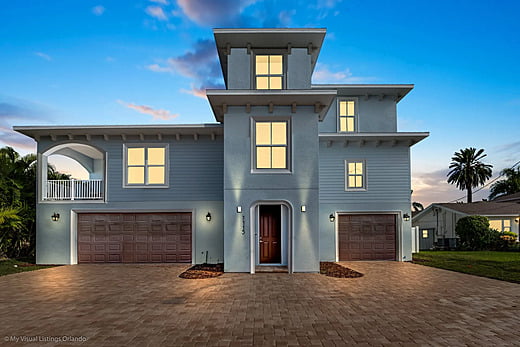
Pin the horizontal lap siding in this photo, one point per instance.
(195, 173)
(387, 168)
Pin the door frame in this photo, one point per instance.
(286, 222)
(74, 226)
(398, 229)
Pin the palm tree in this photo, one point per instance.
(467, 171)
(510, 185)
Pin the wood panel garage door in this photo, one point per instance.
(134, 237)
(367, 237)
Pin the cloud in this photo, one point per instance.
(200, 64)
(156, 114)
(215, 13)
(156, 12)
(162, 2)
(323, 74)
(327, 3)
(98, 10)
(43, 55)
(512, 146)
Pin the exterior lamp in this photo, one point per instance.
(332, 218)
(208, 217)
(55, 217)
(239, 209)
(516, 220)
(406, 217)
(304, 208)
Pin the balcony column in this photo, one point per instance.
(72, 189)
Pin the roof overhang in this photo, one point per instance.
(36, 132)
(396, 91)
(278, 38)
(377, 139)
(221, 99)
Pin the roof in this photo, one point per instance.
(220, 99)
(398, 91)
(71, 130)
(510, 197)
(482, 208)
(392, 138)
(282, 38)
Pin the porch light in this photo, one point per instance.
(239, 209)
(406, 217)
(55, 217)
(332, 218)
(516, 220)
(304, 208)
(208, 217)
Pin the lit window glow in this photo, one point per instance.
(425, 234)
(355, 175)
(500, 224)
(269, 71)
(271, 145)
(146, 166)
(347, 116)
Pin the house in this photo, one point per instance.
(436, 223)
(290, 174)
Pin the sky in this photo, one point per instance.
(88, 62)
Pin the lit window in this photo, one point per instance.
(271, 145)
(500, 224)
(507, 225)
(269, 71)
(146, 166)
(347, 115)
(355, 175)
(425, 234)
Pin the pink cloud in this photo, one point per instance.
(156, 114)
(214, 13)
(323, 74)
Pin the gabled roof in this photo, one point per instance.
(278, 38)
(510, 197)
(482, 208)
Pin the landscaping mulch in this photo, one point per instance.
(201, 271)
(331, 269)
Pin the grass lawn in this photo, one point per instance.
(7, 266)
(504, 266)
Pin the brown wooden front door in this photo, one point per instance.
(270, 234)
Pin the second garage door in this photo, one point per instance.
(367, 237)
(134, 237)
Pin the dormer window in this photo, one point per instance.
(347, 115)
(269, 71)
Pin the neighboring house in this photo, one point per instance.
(292, 174)
(436, 223)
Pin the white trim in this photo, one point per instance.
(147, 145)
(74, 226)
(254, 212)
(398, 226)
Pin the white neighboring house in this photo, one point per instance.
(436, 223)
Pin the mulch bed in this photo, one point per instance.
(200, 271)
(331, 269)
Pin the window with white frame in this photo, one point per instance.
(500, 224)
(347, 115)
(271, 145)
(146, 166)
(355, 175)
(269, 71)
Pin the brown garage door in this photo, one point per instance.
(134, 237)
(367, 237)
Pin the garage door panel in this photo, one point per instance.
(367, 237)
(137, 237)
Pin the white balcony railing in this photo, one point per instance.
(73, 190)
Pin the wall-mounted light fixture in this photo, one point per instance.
(304, 208)
(332, 218)
(516, 220)
(55, 217)
(208, 217)
(406, 217)
(239, 209)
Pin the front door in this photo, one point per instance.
(270, 234)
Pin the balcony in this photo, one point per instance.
(73, 190)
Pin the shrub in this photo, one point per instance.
(474, 232)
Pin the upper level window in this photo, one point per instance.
(271, 145)
(355, 175)
(347, 115)
(500, 225)
(146, 165)
(269, 71)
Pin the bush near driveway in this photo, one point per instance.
(504, 266)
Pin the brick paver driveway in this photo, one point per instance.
(393, 304)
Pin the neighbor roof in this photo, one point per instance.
(510, 197)
(484, 208)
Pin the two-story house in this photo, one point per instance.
(290, 175)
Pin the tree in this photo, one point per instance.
(507, 186)
(467, 171)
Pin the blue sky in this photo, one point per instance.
(146, 62)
